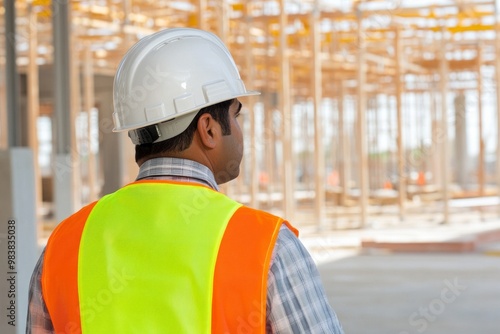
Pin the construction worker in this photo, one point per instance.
(169, 253)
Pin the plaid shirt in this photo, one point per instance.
(296, 301)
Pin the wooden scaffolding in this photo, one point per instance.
(363, 103)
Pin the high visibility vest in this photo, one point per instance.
(160, 257)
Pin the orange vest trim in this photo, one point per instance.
(61, 261)
(239, 269)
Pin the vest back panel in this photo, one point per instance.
(162, 257)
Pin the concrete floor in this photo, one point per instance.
(415, 293)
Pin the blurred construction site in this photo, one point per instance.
(367, 107)
(373, 114)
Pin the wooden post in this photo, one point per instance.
(319, 151)
(32, 84)
(33, 102)
(269, 143)
(480, 165)
(399, 119)
(269, 140)
(202, 9)
(88, 105)
(249, 63)
(461, 155)
(436, 155)
(443, 84)
(223, 20)
(75, 108)
(497, 79)
(127, 8)
(286, 116)
(344, 151)
(269, 148)
(223, 29)
(361, 122)
(375, 180)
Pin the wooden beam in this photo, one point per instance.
(361, 124)
(288, 178)
(249, 64)
(223, 20)
(75, 107)
(443, 88)
(319, 151)
(480, 165)
(222, 32)
(497, 77)
(88, 106)
(269, 137)
(202, 9)
(400, 124)
(34, 104)
(33, 81)
(436, 138)
(344, 151)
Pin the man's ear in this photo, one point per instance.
(207, 130)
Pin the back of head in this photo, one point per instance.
(167, 77)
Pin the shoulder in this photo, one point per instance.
(71, 225)
(264, 217)
(289, 249)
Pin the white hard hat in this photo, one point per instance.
(167, 77)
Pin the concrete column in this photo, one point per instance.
(3, 111)
(4, 141)
(12, 77)
(64, 165)
(18, 237)
(110, 143)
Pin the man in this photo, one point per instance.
(169, 253)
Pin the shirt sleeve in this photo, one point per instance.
(296, 300)
(38, 321)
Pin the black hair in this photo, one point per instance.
(219, 111)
